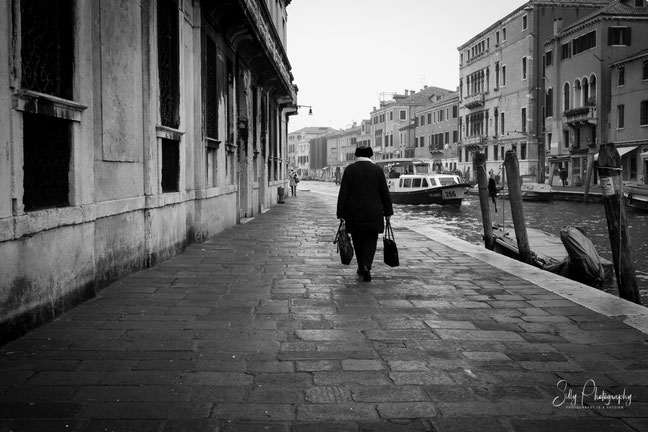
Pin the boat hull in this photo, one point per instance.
(533, 192)
(443, 195)
(636, 196)
(537, 196)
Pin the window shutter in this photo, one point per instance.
(628, 36)
(610, 36)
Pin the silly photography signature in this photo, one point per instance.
(589, 397)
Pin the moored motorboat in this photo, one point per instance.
(412, 181)
(533, 192)
(635, 195)
(432, 188)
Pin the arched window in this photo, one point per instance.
(566, 97)
(577, 93)
(585, 101)
(496, 116)
(592, 89)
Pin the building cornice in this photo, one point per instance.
(529, 6)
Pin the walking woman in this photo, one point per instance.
(363, 202)
(293, 183)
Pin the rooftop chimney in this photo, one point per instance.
(557, 26)
(406, 92)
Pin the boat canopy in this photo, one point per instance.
(406, 166)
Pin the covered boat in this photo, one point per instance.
(533, 192)
(635, 195)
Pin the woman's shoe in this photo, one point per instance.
(366, 274)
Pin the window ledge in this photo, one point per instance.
(40, 103)
(212, 143)
(168, 133)
(231, 148)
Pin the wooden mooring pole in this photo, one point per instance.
(517, 211)
(609, 169)
(479, 167)
(588, 177)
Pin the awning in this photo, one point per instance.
(622, 151)
(560, 158)
(625, 150)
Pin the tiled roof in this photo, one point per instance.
(636, 56)
(420, 97)
(619, 8)
(614, 8)
(593, 3)
(312, 130)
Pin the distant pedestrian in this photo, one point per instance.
(563, 176)
(492, 188)
(293, 183)
(363, 202)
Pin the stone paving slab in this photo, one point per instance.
(261, 328)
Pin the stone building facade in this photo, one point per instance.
(586, 97)
(299, 148)
(630, 101)
(340, 148)
(129, 129)
(437, 131)
(502, 85)
(393, 123)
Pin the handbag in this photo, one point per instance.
(344, 246)
(389, 247)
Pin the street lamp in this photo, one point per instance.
(310, 108)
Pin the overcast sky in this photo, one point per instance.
(345, 53)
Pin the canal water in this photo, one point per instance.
(465, 222)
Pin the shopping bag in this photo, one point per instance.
(389, 247)
(344, 246)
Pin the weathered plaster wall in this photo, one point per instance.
(46, 272)
(118, 219)
(216, 213)
(119, 245)
(121, 80)
(166, 228)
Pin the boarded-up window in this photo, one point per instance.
(46, 148)
(170, 165)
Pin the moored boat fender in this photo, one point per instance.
(584, 261)
(630, 199)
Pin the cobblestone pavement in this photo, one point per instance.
(262, 329)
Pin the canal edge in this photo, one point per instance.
(632, 314)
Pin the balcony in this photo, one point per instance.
(473, 143)
(582, 116)
(474, 100)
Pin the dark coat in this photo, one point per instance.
(492, 187)
(363, 200)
